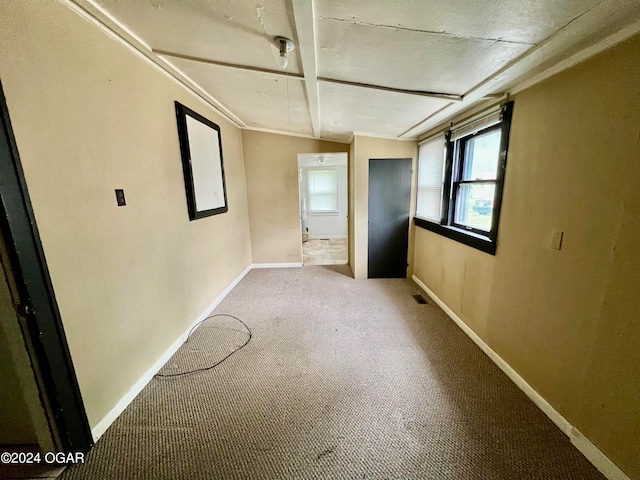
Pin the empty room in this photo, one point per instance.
(281, 239)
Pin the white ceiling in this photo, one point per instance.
(385, 68)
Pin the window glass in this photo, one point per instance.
(481, 156)
(474, 205)
(323, 190)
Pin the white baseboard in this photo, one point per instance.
(582, 443)
(326, 237)
(276, 265)
(142, 382)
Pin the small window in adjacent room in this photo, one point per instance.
(460, 179)
(323, 190)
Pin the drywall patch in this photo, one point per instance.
(259, 8)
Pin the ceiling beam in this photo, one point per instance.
(305, 28)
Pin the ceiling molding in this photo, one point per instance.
(385, 137)
(108, 24)
(305, 27)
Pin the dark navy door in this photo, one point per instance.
(389, 198)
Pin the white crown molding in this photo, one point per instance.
(383, 137)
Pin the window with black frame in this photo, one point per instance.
(460, 180)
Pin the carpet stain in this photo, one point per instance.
(326, 452)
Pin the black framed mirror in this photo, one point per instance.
(202, 164)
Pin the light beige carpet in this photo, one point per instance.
(342, 379)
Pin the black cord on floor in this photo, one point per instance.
(203, 369)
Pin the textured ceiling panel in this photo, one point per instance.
(260, 100)
(408, 59)
(237, 32)
(346, 109)
(506, 20)
(473, 48)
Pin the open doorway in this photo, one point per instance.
(323, 208)
(25, 427)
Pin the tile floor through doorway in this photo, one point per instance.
(331, 251)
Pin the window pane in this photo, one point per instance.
(430, 173)
(481, 156)
(474, 205)
(323, 190)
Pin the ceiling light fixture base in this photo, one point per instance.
(284, 44)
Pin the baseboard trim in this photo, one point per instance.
(326, 237)
(142, 382)
(276, 265)
(582, 443)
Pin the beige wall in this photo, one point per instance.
(365, 148)
(566, 321)
(90, 117)
(271, 164)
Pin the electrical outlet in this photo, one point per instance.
(556, 240)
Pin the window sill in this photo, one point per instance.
(471, 239)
